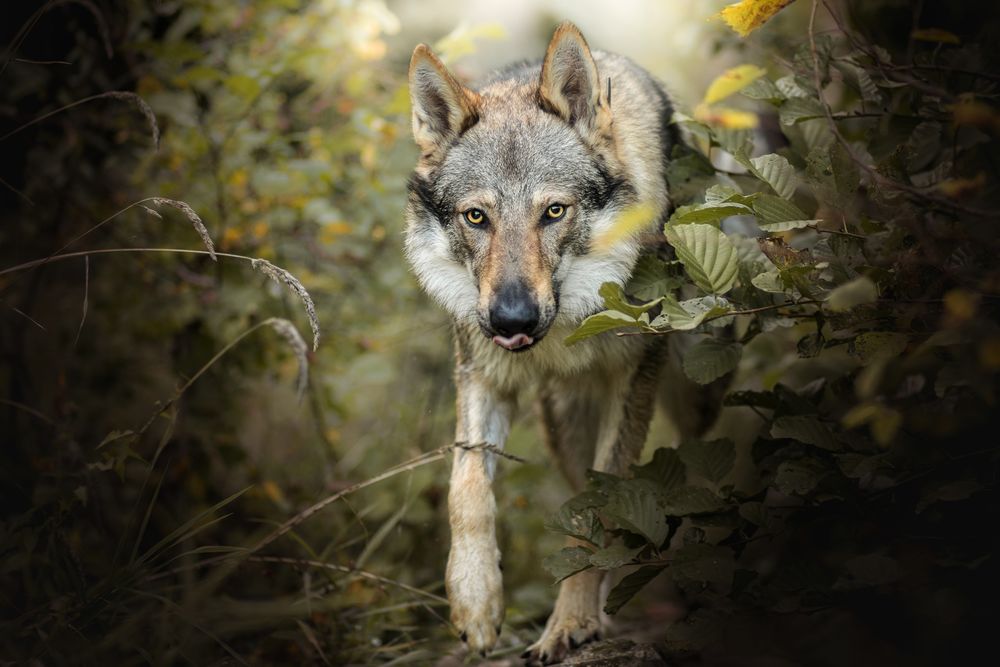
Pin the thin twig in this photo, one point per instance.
(113, 94)
(831, 121)
(28, 409)
(364, 574)
(748, 311)
(487, 447)
(416, 462)
(86, 297)
(20, 194)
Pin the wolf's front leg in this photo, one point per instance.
(473, 579)
(625, 411)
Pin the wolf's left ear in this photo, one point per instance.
(442, 107)
(570, 85)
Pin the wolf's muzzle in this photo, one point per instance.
(514, 316)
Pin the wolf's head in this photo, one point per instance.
(512, 183)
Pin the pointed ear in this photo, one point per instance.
(442, 107)
(570, 85)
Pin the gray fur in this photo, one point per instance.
(585, 130)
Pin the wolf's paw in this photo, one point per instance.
(561, 636)
(475, 591)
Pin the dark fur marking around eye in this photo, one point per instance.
(599, 192)
(421, 187)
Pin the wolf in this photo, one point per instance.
(515, 180)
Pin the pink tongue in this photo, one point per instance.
(515, 342)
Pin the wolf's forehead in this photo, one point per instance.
(518, 158)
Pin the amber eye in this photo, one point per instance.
(555, 212)
(474, 216)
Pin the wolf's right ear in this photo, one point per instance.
(442, 107)
(570, 85)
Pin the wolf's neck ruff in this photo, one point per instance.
(515, 180)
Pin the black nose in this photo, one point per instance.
(513, 310)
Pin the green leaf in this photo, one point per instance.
(690, 313)
(685, 500)
(769, 281)
(878, 346)
(700, 213)
(776, 171)
(754, 512)
(635, 509)
(245, 87)
(630, 584)
(705, 563)
(857, 292)
(798, 109)
(575, 521)
(665, 469)
(790, 88)
(950, 492)
(798, 477)
(733, 141)
(859, 79)
(708, 256)
(869, 570)
(599, 323)
(567, 562)
(710, 359)
(763, 89)
(709, 459)
(614, 556)
(117, 446)
(615, 299)
(651, 279)
(806, 429)
(775, 214)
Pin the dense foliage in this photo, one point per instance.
(185, 479)
(860, 325)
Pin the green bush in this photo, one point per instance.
(857, 313)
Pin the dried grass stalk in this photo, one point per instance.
(294, 339)
(144, 109)
(190, 214)
(281, 276)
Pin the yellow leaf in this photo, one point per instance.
(461, 41)
(272, 491)
(732, 81)
(633, 219)
(960, 305)
(746, 16)
(970, 111)
(329, 232)
(956, 188)
(935, 35)
(230, 237)
(989, 353)
(732, 119)
(238, 179)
